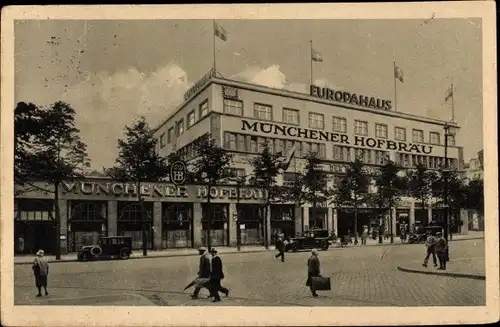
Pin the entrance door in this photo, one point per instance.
(37, 236)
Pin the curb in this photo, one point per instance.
(456, 275)
(171, 255)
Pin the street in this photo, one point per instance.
(364, 276)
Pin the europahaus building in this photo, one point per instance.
(241, 117)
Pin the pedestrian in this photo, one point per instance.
(441, 249)
(41, 271)
(364, 235)
(216, 276)
(280, 246)
(203, 270)
(20, 244)
(430, 243)
(312, 270)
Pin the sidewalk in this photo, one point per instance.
(472, 268)
(137, 254)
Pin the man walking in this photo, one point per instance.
(430, 243)
(441, 248)
(216, 276)
(41, 271)
(312, 270)
(280, 246)
(204, 269)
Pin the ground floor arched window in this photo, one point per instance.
(87, 223)
(130, 223)
(177, 225)
(250, 221)
(217, 218)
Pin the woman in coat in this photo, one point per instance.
(41, 271)
(312, 270)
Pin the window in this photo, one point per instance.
(279, 146)
(340, 124)
(237, 172)
(203, 109)
(341, 153)
(400, 133)
(230, 141)
(263, 111)
(290, 116)
(162, 140)
(418, 135)
(314, 148)
(434, 138)
(190, 119)
(360, 127)
(170, 134)
(180, 127)
(261, 143)
(322, 150)
(380, 157)
(316, 120)
(233, 107)
(403, 159)
(253, 144)
(381, 131)
(451, 140)
(241, 142)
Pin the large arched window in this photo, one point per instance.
(132, 212)
(88, 211)
(177, 216)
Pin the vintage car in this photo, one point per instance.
(318, 238)
(107, 248)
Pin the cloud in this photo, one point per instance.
(274, 78)
(105, 104)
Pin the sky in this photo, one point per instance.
(114, 71)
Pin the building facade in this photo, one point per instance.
(241, 117)
(338, 125)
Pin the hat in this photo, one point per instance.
(213, 250)
(202, 248)
(314, 251)
(40, 253)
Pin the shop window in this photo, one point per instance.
(177, 216)
(87, 211)
(132, 212)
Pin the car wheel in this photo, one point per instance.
(325, 246)
(294, 248)
(124, 254)
(83, 256)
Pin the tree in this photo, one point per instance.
(420, 183)
(51, 151)
(390, 186)
(315, 182)
(475, 196)
(353, 190)
(266, 168)
(456, 192)
(212, 166)
(138, 162)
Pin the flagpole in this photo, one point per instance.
(395, 88)
(452, 104)
(310, 58)
(213, 38)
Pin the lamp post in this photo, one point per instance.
(448, 131)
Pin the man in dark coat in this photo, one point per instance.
(312, 270)
(204, 269)
(280, 246)
(216, 277)
(441, 248)
(430, 243)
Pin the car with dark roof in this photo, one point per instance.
(115, 247)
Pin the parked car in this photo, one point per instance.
(107, 248)
(318, 238)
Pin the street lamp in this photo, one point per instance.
(449, 130)
(239, 182)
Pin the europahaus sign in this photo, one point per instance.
(311, 134)
(158, 190)
(350, 98)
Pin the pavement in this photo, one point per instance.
(137, 254)
(360, 276)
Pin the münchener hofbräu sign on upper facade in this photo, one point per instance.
(311, 134)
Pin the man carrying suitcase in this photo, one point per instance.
(312, 270)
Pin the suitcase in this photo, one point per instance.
(321, 283)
